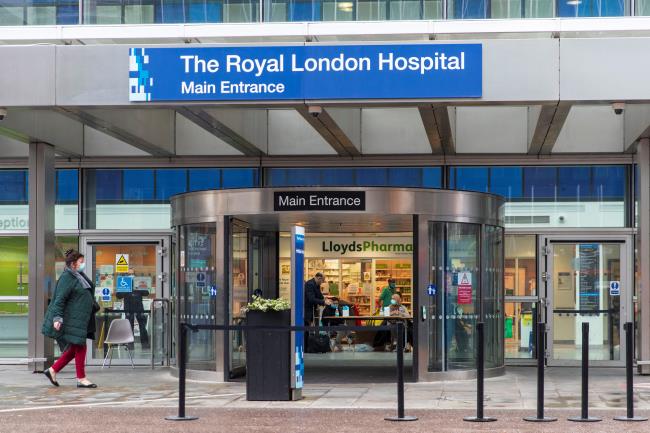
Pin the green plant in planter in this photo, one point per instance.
(263, 304)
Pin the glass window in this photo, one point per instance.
(404, 176)
(506, 181)
(138, 185)
(204, 178)
(372, 177)
(240, 177)
(609, 183)
(412, 177)
(140, 198)
(67, 186)
(540, 183)
(14, 291)
(337, 176)
(108, 185)
(468, 9)
(469, 178)
(66, 214)
(170, 182)
(13, 186)
(590, 8)
(432, 177)
(574, 183)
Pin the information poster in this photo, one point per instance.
(297, 286)
(464, 288)
(588, 260)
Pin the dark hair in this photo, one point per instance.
(72, 256)
(318, 275)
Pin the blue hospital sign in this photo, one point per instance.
(417, 71)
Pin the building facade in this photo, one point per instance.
(554, 118)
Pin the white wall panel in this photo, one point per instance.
(393, 131)
(10, 148)
(191, 139)
(605, 69)
(250, 123)
(491, 129)
(290, 134)
(97, 143)
(591, 128)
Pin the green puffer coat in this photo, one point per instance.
(74, 304)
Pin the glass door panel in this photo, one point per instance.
(521, 301)
(461, 294)
(240, 293)
(197, 278)
(582, 274)
(127, 272)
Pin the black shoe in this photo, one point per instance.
(49, 376)
(90, 385)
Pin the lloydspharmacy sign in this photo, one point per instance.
(366, 247)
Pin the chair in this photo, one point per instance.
(119, 334)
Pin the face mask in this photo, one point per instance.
(391, 285)
(82, 266)
(393, 302)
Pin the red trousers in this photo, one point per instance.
(78, 352)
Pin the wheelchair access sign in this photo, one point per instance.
(124, 284)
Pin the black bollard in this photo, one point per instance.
(584, 416)
(182, 356)
(480, 367)
(400, 377)
(629, 375)
(541, 348)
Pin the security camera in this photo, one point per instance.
(3, 113)
(618, 107)
(315, 110)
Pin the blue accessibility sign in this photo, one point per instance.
(431, 290)
(213, 291)
(124, 284)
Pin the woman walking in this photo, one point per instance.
(70, 318)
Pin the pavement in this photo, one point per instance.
(137, 400)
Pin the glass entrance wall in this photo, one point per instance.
(466, 287)
(520, 286)
(196, 281)
(239, 295)
(583, 278)
(129, 274)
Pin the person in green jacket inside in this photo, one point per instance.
(70, 318)
(387, 293)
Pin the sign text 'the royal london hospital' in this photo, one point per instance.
(417, 71)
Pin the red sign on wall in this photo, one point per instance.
(464, 288)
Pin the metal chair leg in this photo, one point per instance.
(110, 360)
(130, 356)
(106, 357)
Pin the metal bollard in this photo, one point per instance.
(584, 416)
(400, 377)
(629, 375)
(480, 367)
(182, 356)
(541, 348)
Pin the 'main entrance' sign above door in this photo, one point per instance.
(319, 201)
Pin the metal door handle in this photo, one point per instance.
(424, 313)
